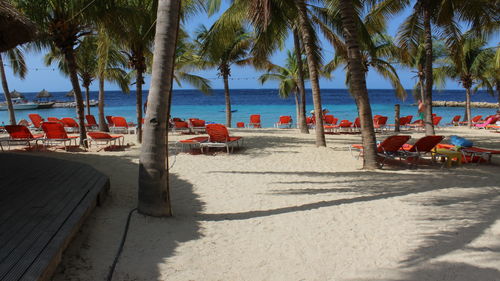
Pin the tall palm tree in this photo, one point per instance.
(357, 82)
(272, 20)
(429, 16)
(135, 34)
(468, 63)
(154, 193)
(15, 57)
(61, 25)
(224, 54)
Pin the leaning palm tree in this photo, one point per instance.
(429, 16)
(61, 25)
(468, 63)
(154, 194)
(223, 55)
(15, 57)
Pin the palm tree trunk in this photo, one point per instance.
(103, 126)
(228, 100)
(467, 107)
(154, 193)
(300, 83)
(498, 92)
(305, 30)
(87, 98)
(69, 56)
(358, 85)
(429, 127)
(138, 103)
(5, 87)
(297, 105)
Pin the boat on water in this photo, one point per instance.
(19, 104)
(44, 105)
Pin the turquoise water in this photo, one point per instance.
(190, 103)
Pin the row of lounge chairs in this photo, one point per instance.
(116, 124)
(54, 134)
(396, 147)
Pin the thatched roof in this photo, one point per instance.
(43, 94)
(15, 28)
(16, 94)
(70, 93)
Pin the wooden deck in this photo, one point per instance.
(43, 203)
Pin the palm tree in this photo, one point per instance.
(289, 79)
(357, 82)
(468, 63)
(134, 33)
(224, 54)
(88, 60)
(15, 58)
(154, 193)
(445, 16)
(61, 25)
(272, 20)
(379, 56)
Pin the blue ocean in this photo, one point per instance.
(266, 102)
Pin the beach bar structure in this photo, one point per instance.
(43, 203)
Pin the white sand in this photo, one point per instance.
(282, 209)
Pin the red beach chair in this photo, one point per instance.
(55, 133)
(455, 121)
(104, 138)
(388, 149)
(423, 146)
(285, 121)
(70, 125)
(91, 122)
(218, 136)
(37, 120)
(196, 125)
(20, 134)
(120, 125)
(255, 121)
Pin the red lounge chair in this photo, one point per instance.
(91, 122)
(255, 121)
(120, 125)
(37, 120)
(104, 138)
(54, 119)
(20, 134)
(70, 125)
(196, 141)
(379, 123)
(436, 120)
(344, 125)
(474, 120)
(55, 133)
(329, 120)
(285, 122)
(389, 148)
(240, 125)
(218, 136)
(196, 125)
(180, 126)
(474, 153)
(455, 121)
(109, 119)
(423, 146)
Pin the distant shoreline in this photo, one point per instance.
(462, 104)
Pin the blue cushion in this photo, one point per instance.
(459, 141)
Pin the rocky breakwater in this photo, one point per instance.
(462, 104)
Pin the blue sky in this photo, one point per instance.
(41, 76)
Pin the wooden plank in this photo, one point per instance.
(31, 211)
(27, 238)
(44, 267)
(64, 201)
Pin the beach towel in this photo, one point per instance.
(459, 141)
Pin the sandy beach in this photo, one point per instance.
(282, 209)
